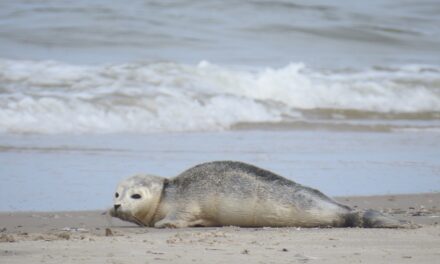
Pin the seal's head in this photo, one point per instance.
(137, 198)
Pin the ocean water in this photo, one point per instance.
(53, 97)
(80, 172)
(337, 33)
(191, 81)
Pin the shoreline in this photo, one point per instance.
(419, 208)
(337, 164)
(89, 236)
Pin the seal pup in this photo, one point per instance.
(225, 193)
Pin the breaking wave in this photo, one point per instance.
(54, 97)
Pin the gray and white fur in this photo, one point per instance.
(225, 193)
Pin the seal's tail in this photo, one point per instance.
(375, 219)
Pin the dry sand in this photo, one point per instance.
(89, 237)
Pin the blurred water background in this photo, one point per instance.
(340, 95)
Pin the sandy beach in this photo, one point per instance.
(90, 237)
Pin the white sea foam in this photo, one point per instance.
(54, 97)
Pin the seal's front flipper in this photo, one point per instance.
(375, 219)
(171, 223)
(175, 219)
(167, 222)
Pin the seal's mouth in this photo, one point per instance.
(125, 216)
(112, 212)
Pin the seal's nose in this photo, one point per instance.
(117, 206)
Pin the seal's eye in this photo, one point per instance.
(116, 195)
(136, 196)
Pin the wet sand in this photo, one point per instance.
(90, 237)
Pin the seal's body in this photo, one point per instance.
(224, 193)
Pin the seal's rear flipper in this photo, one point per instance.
(375, 219)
